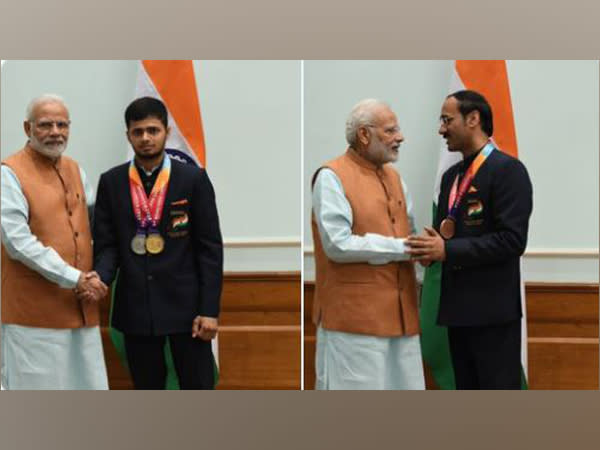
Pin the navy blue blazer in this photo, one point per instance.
(481, 282)
(160, 294)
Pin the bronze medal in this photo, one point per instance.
(155, 243)
(138, 244)
(447, 228)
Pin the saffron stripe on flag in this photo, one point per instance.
(175, 84)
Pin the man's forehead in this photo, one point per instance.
(385, 114)
(50, 109)
(146, 123)
(450, 105)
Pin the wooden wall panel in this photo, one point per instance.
(562, 321)
(259, 334)
(265, 358)
(563, 363)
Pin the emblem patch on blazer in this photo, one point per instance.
(179, 226)
(179, 222)
(474, 208)
(474, 212)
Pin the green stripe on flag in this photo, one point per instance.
(434, 339)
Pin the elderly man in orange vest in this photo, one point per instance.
(365, 304)
(50, 333)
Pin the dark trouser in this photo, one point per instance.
(192, 359)
(487, 357)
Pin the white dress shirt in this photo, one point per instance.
(333, 215)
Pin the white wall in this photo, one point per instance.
(555, 105)
(251, 115)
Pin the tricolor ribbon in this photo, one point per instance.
(148, 210)
(454, 199)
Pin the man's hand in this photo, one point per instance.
(90, 288)
(205, 328)
(426, 248)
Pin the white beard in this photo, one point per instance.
(52, 152)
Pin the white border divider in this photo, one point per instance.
(301, 255)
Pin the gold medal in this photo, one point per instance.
(138, 244)
(447, 228)
(155, 243)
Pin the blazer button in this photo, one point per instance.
(393, 220)
(70, 213)
(77, 234)
(150, 278)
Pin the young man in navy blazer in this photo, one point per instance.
(169, 258)
(483, 239)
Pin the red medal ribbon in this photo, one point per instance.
(455, 198)
(148, 211)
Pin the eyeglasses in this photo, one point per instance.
(446, 120)
(48, 125)
(389, 131)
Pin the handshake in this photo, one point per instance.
(90, 288)
(426, 248)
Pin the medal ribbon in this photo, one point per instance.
(148, 211)
(455, 199)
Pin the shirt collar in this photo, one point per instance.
(468, 160)
(150, 172)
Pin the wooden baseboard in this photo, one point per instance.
(562, 328)
(562, 323)
(259, 335)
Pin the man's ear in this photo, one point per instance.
(473, 119)
(363, 136)
(27, 128)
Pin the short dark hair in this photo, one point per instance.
(145, 107)
(469, 101)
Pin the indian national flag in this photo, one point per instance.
(489, 78)
(174, 83)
